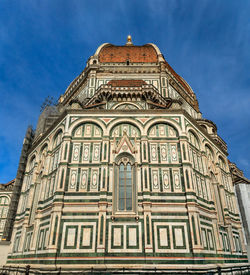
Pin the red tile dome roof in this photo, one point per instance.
(134, 54)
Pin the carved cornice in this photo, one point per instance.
(237, 174)
(146, 93)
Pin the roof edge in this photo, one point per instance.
(101, 47)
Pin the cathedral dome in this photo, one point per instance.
(148, 53)
(146, 59)
(135, 54)
(109, 53)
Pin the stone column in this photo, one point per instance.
(230, 237)
(147, 227)
(217, 236)
(101, 231)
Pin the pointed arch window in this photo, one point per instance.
(35, 199)
(124, 189)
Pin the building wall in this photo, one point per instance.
(183, 203)
(243, 194)
(4, 250)
(127, 176)
(5, 198)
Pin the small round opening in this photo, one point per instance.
(127, 62)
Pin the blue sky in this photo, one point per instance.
(45, 44)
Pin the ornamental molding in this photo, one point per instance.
(237, 175)
(147, 93)
(125, 145)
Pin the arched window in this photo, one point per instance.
(194, 152)
(43, 158)
(4, 206)
(193, 140)
(4, 200)
(209, 153)
(209, 157)
(57, 139)
(32, 163)
(222, 163)
(35, 200)
(124, 189)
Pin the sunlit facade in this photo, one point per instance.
(125, 173)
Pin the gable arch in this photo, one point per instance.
(81, 121)
(210, 157)
(54, 138)
(46, 141)
(60, 129)
(115, 123)
(32, 161)
(153, 121)
(167, 130)
(190, 133)
(42, 157)
(222, 162)
(50, 139)
(207, 145)
(46, 144)
(119, 105)
(131, 130)
(4, 200)
(86, 130)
